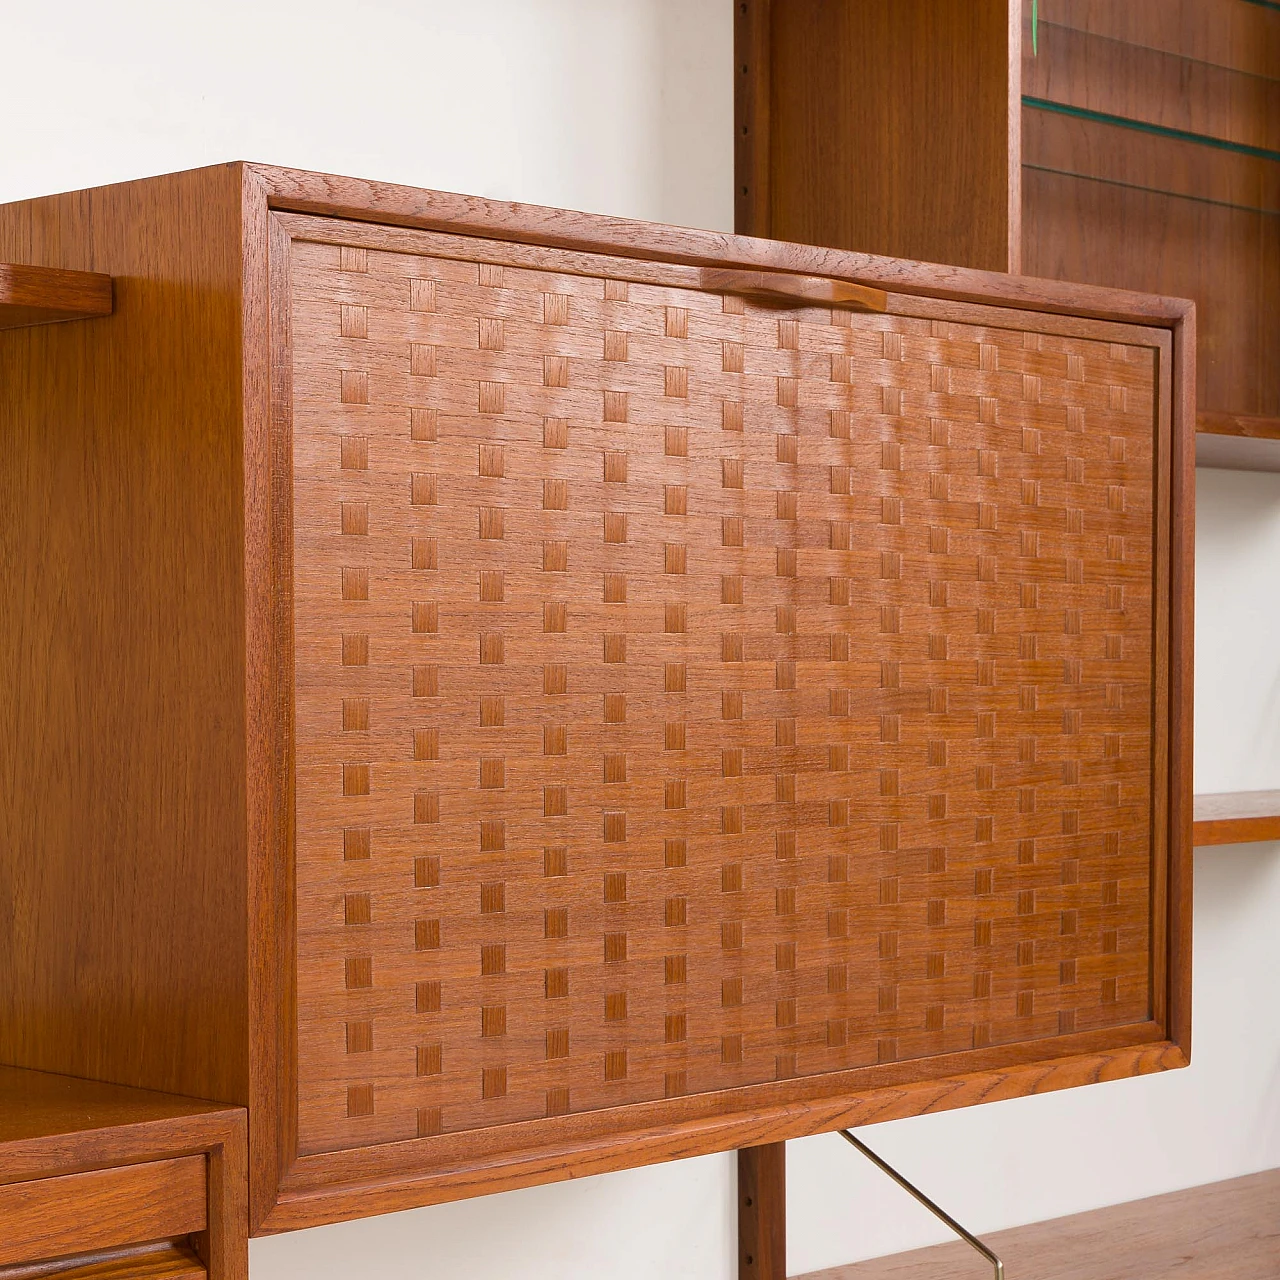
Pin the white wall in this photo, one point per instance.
(612, 106)
(625, 106)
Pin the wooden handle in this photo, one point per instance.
(791, 290)
(50, 295)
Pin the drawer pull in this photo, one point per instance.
(786, 289)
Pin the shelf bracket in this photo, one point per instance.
(967, 1236)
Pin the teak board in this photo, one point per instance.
(1236, 817)
(841, 662)
(1221, 1231)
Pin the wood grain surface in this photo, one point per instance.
(1101, 72)
(150, 655)
(645, 734)
(1117, 201)
(1238, 817)
(47, 295)
(295, 1190)
(383, 1179)
(827, 94)
(1223, 1231)
(762, 1212)
(37, 1107)
(1234, 34)
(122, 764)
(81, 1212)
(1237, 442)
(165, 1261)
(1109, 204)
(386, 203)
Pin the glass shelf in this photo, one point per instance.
(1238, 39)
(1117, 81)
(1131, 153)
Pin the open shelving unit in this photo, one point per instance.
(1134, 145)
(1151, 160)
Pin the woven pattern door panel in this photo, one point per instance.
(693, 695)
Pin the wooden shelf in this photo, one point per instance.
(1237, 817)
(49, 295)
(1222, 1231)
(1235, 442)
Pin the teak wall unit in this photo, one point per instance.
(506, 694)
(1136, 145)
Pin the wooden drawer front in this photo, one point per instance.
(694, 695)
(102, 1209)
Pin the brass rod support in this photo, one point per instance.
(967, 1236)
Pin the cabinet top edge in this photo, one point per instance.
(366, 200)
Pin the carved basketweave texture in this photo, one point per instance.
(692, 694)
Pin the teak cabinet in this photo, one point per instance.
(505, 694)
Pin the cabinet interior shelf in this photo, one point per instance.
(1237, 817)
(50, 295)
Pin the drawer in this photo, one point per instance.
(103, 1209)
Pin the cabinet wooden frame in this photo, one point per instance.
(315, 1188)
(255, 204)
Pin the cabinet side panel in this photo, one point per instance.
(122, 757)
(886, 128)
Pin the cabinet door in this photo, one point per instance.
(709, 717)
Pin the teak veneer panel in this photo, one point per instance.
(645, 739)
(1115, 201)
(115, 1182)
(913, 584)
(148, 1262)
(1222, 1231)
(1238, 35)
(1117, 77)
(122, 645)
(1237, 442)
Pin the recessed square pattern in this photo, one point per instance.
(719, 697)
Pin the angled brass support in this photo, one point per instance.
(967, 1236)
